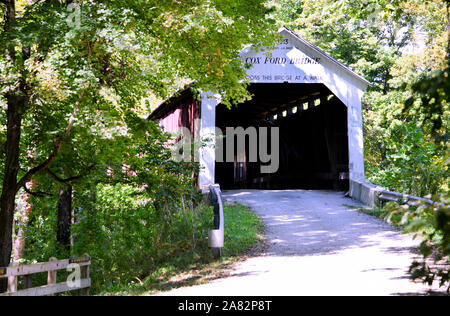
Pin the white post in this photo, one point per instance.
(51, 279)
(355, 135)
(207, 156)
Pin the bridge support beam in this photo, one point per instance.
(209, 101)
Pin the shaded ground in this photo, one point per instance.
(317, 246)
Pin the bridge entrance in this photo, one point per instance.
(314, 100)
(313, 138)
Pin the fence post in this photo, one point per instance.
(85, 275)
(12, 280)
(51, 280)
(28, 281)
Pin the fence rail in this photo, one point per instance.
(13, 272)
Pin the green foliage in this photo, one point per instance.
(41, 233)
(377, 211)
(78, 83)
(242, 230)
(195, 266)
(433, 92)
(431, 224)
(411, 163)
(129, 238)
(132, 213)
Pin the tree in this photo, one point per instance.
(366, 35)
(72, 72)
(432, 91)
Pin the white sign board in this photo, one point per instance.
(285, 63)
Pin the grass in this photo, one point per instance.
(243, 230)
(381, 213)
(243, 234)
(377, 212)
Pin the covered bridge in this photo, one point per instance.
(313, 100)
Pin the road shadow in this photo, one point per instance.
(302, 222)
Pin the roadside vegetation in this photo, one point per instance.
(141, 238)
(136, 250)
(431, 224)
(376, 211)
(194, 264)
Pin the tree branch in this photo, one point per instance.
(36, 194)
(65, 181)
(57, 148)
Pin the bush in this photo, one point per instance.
(412, 165)
(130, 215)
(128, 238)
(242, 230)
(432, 225)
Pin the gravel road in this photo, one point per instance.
(317, 246)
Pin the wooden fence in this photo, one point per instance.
(13, 272)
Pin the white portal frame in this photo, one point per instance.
(298, 62)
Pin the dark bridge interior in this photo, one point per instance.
(313, 138)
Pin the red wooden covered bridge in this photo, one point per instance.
(313, 100)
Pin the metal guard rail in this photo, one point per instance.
(390, 196)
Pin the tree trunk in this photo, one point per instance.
(6, 224)
(15, 100)
(9, 190)
(24, 210)
(64, 217)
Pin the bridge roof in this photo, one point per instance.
(328, 71)
(324, 55)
